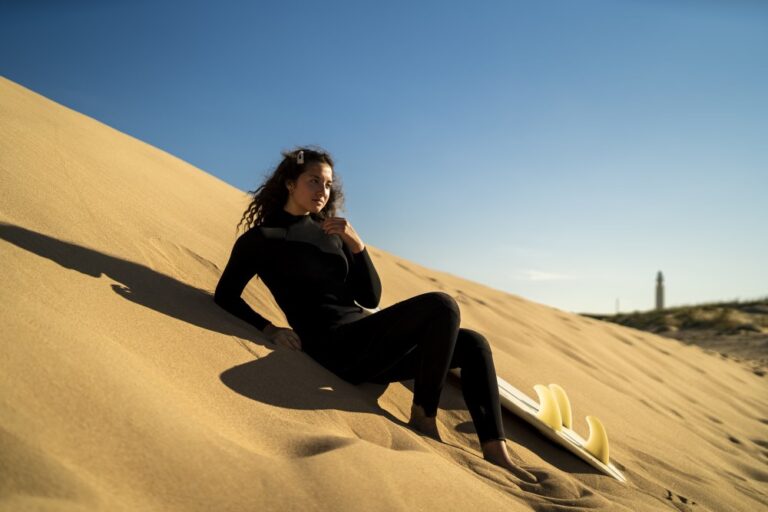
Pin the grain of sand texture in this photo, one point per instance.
(123, 386)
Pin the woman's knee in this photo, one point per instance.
(472, 342)
(444, 304)
(476, 339)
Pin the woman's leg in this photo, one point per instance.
(481, 394)
(479, 387)
(478, 384)
(425, 326)
(405, 360)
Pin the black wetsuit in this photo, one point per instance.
(318, 283)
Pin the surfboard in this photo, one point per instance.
(552, 416)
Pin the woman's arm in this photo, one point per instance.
(365, 282)
(242, 266)
(366, 286)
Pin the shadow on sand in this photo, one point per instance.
(138, 283)
(293, 380)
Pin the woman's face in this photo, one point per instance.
(310, 192)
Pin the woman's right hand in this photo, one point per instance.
(283, 336)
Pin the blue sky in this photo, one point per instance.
(564, 151)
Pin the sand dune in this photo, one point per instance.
(125, 388)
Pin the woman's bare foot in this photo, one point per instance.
(427, 425)
(495, 451)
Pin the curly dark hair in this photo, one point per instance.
(270, 197)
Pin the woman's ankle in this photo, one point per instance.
(494, 449)
(495, 452)
(418, 410)
(423, 423)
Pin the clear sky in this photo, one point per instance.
(561, 150)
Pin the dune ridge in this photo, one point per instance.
(125, 388)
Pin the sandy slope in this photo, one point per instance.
(125, 388)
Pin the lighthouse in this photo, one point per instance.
(659, 291)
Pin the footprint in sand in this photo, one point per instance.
(551, 490)
(465, 297)
(681, 502)
(675, 412)
(318, 445)
(405, 267)
(715, 420)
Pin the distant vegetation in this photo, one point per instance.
(737, 329)
(722, 317)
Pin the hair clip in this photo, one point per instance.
(300, 157)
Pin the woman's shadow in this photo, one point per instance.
(137, 283)
(292, 379)
(284, 378)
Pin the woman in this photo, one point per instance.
(319, 271)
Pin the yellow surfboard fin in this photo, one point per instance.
(563, 404)
(597, 444)
(549, 412)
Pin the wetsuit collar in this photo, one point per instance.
(283, 216)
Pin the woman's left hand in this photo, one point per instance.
(341, 226)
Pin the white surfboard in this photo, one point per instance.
(552, 416)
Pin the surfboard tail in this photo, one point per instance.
(555, 411)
